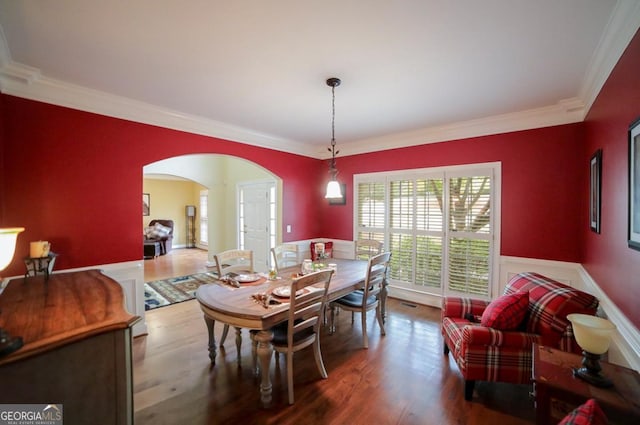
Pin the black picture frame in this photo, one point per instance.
(595, 190)
(146, 204)
(634, 185)
(340, 201)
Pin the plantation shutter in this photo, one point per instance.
(429, 232)
(401, 221)
(469, 237)
(437, 225)
(371, 211)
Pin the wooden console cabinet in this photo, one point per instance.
(77, 346)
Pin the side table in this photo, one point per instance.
(40, 265)
(557, 391)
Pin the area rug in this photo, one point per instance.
(160, 293)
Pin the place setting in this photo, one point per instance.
(235, 280)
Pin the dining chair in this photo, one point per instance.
(233, 261)
(367, 248)
(361, 301)
(302, 328)
(285, 255)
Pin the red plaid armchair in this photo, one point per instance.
(488, 354)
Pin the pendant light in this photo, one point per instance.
(333, 187)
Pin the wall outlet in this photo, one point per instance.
(288, 228)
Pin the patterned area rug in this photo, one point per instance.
(160, 293)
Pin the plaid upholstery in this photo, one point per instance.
(459, 307)
(506, 312)
(549, 304)
(487, 354)
(588, 413)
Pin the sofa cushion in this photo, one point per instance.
(506, 312)
(586, 414)
(157, 231)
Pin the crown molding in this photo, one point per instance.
(566, 111)
(622, 26)
(23, 81)
(27, 82)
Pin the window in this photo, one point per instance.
(204, 217)
(438, 224)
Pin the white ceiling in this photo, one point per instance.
(413, 71)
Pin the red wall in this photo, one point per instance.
(607, 258)
(541, 207)
(75, 178)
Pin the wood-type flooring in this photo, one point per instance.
(403, 378)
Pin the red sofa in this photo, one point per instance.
(487, 354)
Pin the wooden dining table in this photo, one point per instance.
(236, 307)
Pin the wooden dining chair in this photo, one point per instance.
(369, 298)
(302, 328)
(367, 248)
(233, 261)
(285, 255)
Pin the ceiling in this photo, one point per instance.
(413, 71)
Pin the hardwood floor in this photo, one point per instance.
(178, 262)
(403, 378)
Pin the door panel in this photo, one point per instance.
(255, 216)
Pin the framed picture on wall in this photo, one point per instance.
(595, 190)
(146, 204)
(634, 185)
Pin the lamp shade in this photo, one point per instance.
(8, 237)
(592, 333)
(333, 190)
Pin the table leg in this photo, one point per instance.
(265, 349)
(383, 300)
(254, 352)
(212, 339)
(238, 344)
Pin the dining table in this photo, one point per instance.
(236, 305)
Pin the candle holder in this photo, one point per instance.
(593, 335)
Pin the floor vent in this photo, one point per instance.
(409, 305)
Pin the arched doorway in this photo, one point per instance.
(223, 178)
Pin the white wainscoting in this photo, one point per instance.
(625, 345)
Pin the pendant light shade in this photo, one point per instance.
(333, 187)
(333, 190)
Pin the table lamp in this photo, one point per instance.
(593, 335)
(8, 238)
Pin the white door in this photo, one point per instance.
(254, 221)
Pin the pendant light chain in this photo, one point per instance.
(333, 82)
(333, 116)
(333, 187)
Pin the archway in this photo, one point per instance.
(220, 176)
